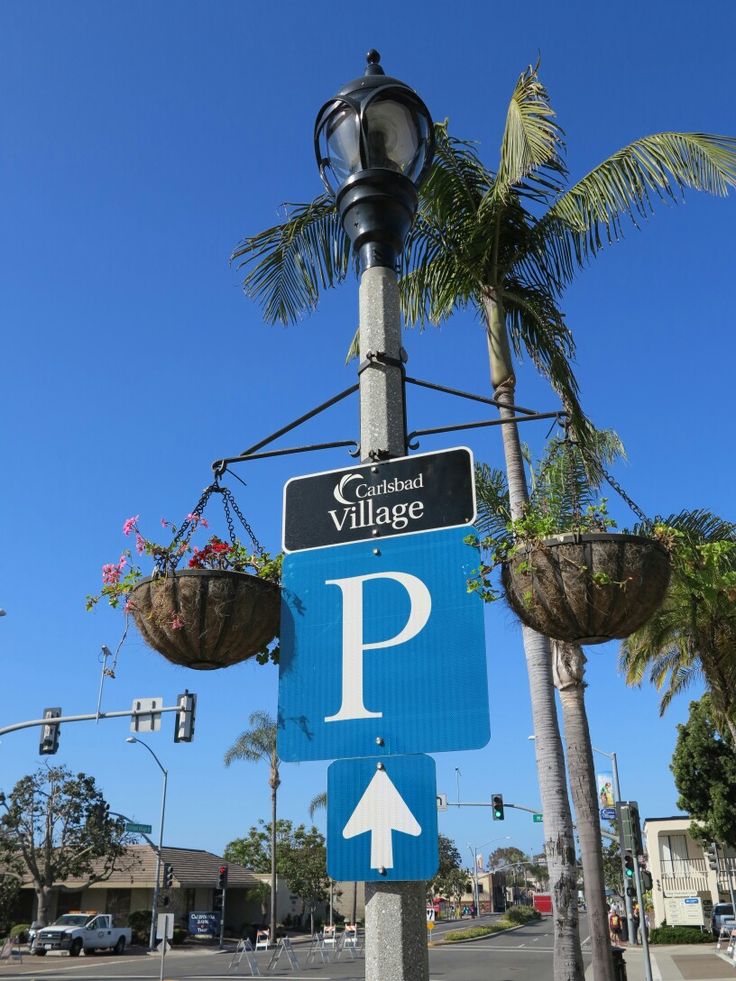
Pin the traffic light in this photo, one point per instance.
(629, 866)
(713, 856)
(184, 718)
(50, 733)
(627, 815)
(646, 879)
(638, 848)
(168, 875)
(497, 807)
(222, 877)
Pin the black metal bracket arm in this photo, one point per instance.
(375, 358)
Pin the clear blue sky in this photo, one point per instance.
(139, 143)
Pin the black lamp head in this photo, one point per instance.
(374, 143)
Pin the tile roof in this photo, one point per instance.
(193, 867)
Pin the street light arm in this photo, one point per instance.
(159, 764)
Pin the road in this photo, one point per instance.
(521, 955)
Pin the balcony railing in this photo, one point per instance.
(685, 876)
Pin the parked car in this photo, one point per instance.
(722, 912)
(77, 932)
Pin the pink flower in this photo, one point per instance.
(165, 523)
(204, 522)
(110, 574)
(129, 605)
(193, 518)
(130, 524)
(177, 623)
(140, 543)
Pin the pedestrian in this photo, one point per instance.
(636, 917)
(615, 926)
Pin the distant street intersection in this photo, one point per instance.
(524, 954)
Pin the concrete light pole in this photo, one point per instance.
(162, 768)
(374, 143)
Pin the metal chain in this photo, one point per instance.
(625, 497)
(186, 531)
(566, 442)
(184, 534)
(227, 498)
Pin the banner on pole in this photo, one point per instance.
(605, 789)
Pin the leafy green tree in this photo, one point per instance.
(254, 850)
(9, 891)
(304, 864)
(55, 826)
(255, 745)
(451, 877)
(692, 637)
(505, 856)
(704, 767)
(508, 242)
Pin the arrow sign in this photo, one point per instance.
(380, 811)
(382, 819)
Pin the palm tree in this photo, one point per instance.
(253, 745)
(565, 483)
(507, 242)
(693, 634)
(318, 803)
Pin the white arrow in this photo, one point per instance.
(381, 810)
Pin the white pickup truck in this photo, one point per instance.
(77, 932)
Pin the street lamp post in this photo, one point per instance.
(474, 852)
(627, 898)
(374, 143)
(162, 768)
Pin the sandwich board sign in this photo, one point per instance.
(382, 650)
(382, 819)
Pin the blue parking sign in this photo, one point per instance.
(382, 650)
(382, 819)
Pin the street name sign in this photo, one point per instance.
(608, 813)
(537, 818)
(382, 819)
(410, 494)
(382, 650)
(138, 829)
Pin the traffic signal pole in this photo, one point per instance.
(395, 912)
(642, 919)
(627, 898)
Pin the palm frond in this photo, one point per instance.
(628, 185)
(532, 140)
(317, 803)
(494, 510)
(256, 743)
(290, 263)
(538, 327)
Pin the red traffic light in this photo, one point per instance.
(222, 870)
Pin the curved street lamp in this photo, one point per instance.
(162, 768)
(374, 143)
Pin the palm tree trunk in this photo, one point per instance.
(272, 936)
(559, 843)
(569, 674)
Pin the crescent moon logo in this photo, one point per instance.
(340, 487)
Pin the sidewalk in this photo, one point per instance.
(680, 962)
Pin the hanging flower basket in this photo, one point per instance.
(206, 618)
(222, 609)
(587, 588)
